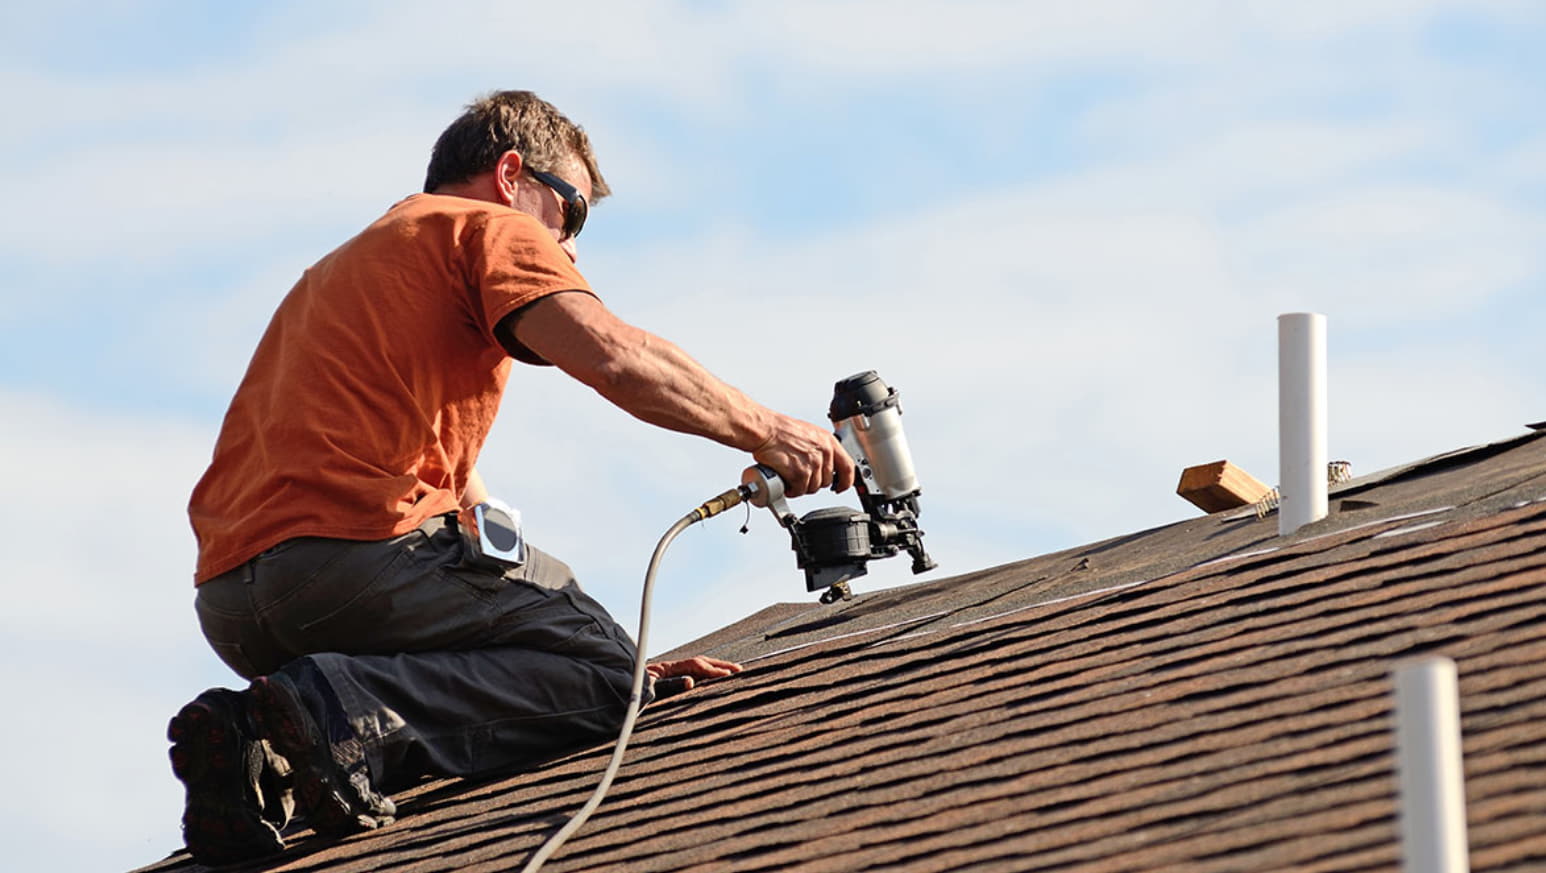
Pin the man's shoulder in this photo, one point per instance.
(430, 207)
(460, 215)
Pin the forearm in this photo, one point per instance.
(655, 381)
(641, 373)
(659, 383)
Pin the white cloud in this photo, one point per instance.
(1394, 253)
(100, 640)
(177, 200)
(94, 739)
(1526, 164)
(1436, 395)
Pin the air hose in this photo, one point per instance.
(708, 509)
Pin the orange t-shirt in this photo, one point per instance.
(369, 397)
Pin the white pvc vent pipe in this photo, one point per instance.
(1428, 770)
(1301, 420)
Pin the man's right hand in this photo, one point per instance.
(807, 457)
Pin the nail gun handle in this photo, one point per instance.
(762, 486)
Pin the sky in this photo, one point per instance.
(1063, 232)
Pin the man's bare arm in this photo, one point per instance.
(655, 381)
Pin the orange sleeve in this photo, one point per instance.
(512, 260)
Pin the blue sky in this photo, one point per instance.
(1063, 233)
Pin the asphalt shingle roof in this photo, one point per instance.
(1203, 696)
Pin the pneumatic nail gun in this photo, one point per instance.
(834, 544)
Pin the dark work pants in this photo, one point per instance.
(440, 669)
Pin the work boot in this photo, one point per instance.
(337, 799)
(231, 777)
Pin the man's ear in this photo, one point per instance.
(507, 170)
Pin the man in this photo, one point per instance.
(334, 566)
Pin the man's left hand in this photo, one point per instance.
(687, 672)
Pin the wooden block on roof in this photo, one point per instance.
(1219, 486)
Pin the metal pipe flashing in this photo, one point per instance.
(1301, 420)
(1429, 777)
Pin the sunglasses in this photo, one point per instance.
(575, 208)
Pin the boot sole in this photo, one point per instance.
(221, 822)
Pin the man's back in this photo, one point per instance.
(371, 393)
